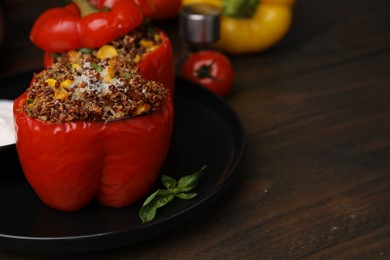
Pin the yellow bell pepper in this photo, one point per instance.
(243, 32)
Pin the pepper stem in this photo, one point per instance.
(86, 7)
(240, 8)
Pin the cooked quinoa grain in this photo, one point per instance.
(92, 89)
(131, 47)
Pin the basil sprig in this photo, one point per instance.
(180, 189)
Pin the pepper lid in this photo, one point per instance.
(200, 23)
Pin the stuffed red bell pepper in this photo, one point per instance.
(57, 32)
(145, 47)
(92, 129)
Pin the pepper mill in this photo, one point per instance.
(199, 28)
(199, 25)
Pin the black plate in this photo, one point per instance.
(206, 132)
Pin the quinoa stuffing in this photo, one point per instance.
(130, 47)
(92, 89)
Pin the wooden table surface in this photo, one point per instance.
(315, 178)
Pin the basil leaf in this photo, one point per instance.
(96, 67)
(85, 50)
(128, 75)
(187, 196)
(150, 198)
(153, 202)
(169, 182)
(189, 182)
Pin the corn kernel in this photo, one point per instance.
(137, 58)
(142, 109)
(113, 62)
(146, 43)
(106, 52)
(153, 48)
(76, 66)
(73, 55)
(61, 94)
(51, 82)
(110, 74)
(66, 83)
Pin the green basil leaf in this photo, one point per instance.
(189, 182)
(128, 75)
(187, 195)
(169, 182)
(150, 198)
(153, 202)
(85, 50)
(96, 67)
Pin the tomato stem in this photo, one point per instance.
(204, 71)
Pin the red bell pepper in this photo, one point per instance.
(157, 65)
(165, 9)
(68, 28)
(71, 163)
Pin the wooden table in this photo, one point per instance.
(315, 179)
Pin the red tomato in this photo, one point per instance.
(210, 69)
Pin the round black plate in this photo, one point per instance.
(206, 132)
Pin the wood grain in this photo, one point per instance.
(315, 179)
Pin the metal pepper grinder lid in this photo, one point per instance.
(199, 23)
